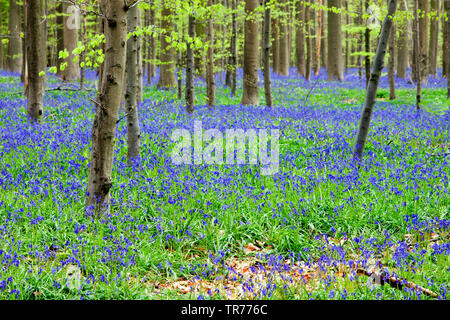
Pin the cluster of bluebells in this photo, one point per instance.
(156, 203)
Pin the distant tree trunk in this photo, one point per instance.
(151, 50)
(199, 52)
(284, 44)
(101, 27)
(300, 39)
(318, 39)
(391, 63)
(361, 41)
(1, 37)
(266, 56)
(59, 36)
(108, 105)
(234, 52)
(447, 3)
(323, 45)
(190, 66)
(367, 49)
(250, 81)
(335, 68)
(417, 54)
(308, 22)
(180, 71)
(347, 40)
(167, 69)
(83, 53)
(140, 66)
(24, 71)
(14, 58)
(71, 27)
(434, 38)
(424, 7)
(403, 44)
(210, 83)
(36, 59)
(276, 46)
(371, 90)
(445, 46)
(131, 95)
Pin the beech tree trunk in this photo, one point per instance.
(308, 22)
(367, 50)
(403, 44)
(71, 27)
(448, 51)
(334, 65)
(266, 55)
(323, 45)
(190, 66)
(36, 59)
(284, 43)
(276, 46)
(132, 88)
(140, 65)
(417, 55)
(391, 63)
(250, 81)
(318, 39)
(434, 37)
(424, 9)
(14, 53)
(300, 40)
(167, 69)
(445, 46)
(210, 83)
(234, 48)
(108, 105)
(375, 75)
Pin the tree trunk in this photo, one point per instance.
(308, 22)
(234, 52)
(424, 9)
(371, 90)
(300, 40)
(367, 49)
(210, 83)
(318, 38)
(190, 66)
(83, 53)
(448, 51)
(434, 38)
(140, 65)
(131, 95)
(167, 69)
(391, 63)
(1, 37)
(266, 56)
(347, 40)
(445, 46)
(403, 44)
(14, 54)
(284, 44)
(108, 105)
(199, 56)
(71, 27)
(417, 54)
(276, 46)
(36, 59)
(335, 68)
(250, 81)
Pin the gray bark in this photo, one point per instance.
(434, 37)
(190, 66)
(266, 55)
(210, 83)
(72, 70)
(371, 90)
(14, 54)
(335, 63)
(167, 69)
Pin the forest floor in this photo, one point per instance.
(319, 228)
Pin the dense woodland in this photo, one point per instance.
(124, 73)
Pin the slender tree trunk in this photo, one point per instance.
(367, 49)
(347, 40)
(180, 70)
(24, 71)
(250, 81)
(424, 9)
(14, 58)
(71, 27)
(190, 66)
(371, 90)
(140, 65)
(1, 37)
(199, 53)
(59, 36)
(361, 40)
(308, 22)
(234, 52)
(403, 45)
(417, 54)
(391, 63)
(318, 38)
(445, 46)
(108, 105)
(210, 83)
(266, 56)
(434, 38)
(83, 53)
(284, 45)
(167, 69)
(448, 51)
(300, 40)
(131, 95)
(335, 68)
(276, 46)
(36, 59)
